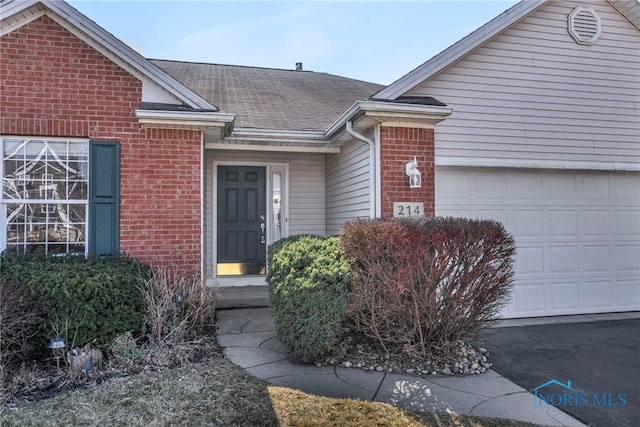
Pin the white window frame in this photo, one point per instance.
(4, 202)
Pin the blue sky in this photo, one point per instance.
(376, 41)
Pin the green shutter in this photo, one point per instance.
(104, 198)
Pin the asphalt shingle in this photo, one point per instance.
(265, 98)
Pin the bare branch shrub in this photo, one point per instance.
(425, 284)
(21, 313)
(176, 304)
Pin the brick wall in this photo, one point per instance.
(54, 84)
(398, 146)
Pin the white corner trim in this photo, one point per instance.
(535, 164)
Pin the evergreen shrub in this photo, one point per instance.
(308, 288)
(89, 301)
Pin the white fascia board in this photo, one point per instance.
(459, 49)
(630, 9)
(327, 149)
(277, 136)
(110, 46)
(11, 7)
(184, 119)
(390, 109)
(474, 162)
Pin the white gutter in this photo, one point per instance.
(184, 119)
(378, 178)
(267, 135)
(398, 110)
(372, 169)
(326, 149)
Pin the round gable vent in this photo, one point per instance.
(584, 25)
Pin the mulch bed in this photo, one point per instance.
(38, 380)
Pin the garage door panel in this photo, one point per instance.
(561, 189)
(627, 223)
(597, 294)
(529, 298)
(563, 259)
(596, 188)
(563, 223)
(527, 223)
(455, 186)
(492, 187)
(563, 297)
(526, 187)
(464, 213)
(597, 258)
(627, 259)
(627, 293)
(529, 260)
(577, 234)
(596, 223)
(627, 188)
(496, 215)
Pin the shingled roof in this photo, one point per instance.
(265, 98)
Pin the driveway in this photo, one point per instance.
(600, 359)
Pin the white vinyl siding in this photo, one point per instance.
(308, 194)
(577, 234)
(532, 92)
(307, 190)
(348, 185)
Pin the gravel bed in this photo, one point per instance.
(363, 353)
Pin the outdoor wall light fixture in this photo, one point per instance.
(415, 178)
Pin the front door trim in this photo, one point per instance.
(270, 167)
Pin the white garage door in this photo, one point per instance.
(577, 234)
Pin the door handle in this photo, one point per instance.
(263, 240)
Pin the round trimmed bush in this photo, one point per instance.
(308, 288)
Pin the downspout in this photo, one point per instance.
(378, 178)
(372, 169)
(203, 265)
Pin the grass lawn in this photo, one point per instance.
(216, 393)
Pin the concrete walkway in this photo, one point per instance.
(250, 342)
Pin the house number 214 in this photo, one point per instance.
(408, 209)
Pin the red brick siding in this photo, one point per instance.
(54, 84)
(398, 146)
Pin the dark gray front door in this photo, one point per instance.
(241, 220)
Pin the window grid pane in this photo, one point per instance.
(45, 191)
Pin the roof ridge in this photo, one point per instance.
(235, 65)
(153, 60)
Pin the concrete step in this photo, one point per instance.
(242, 296)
